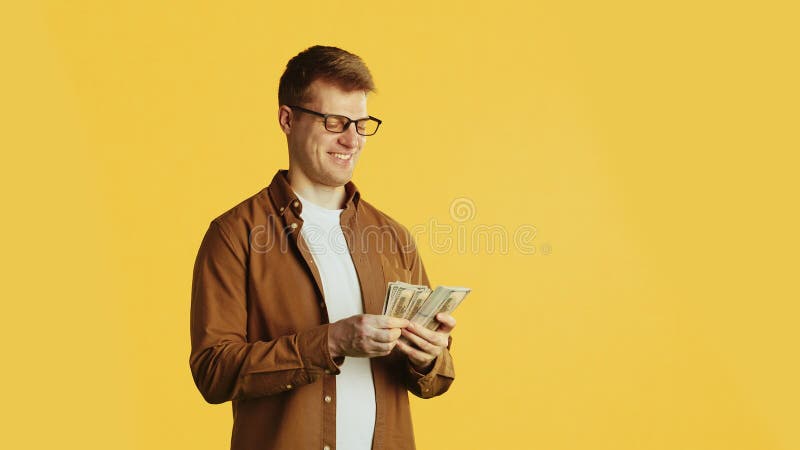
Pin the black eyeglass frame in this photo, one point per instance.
(346, 125)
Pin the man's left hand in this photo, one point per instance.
(423, 346)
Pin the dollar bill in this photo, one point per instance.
(420, 304)
(402, 301)
(391, 296)
(444, 299)
(399, 298)
(389, 301)
(423, 292)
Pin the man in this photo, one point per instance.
(289, 286)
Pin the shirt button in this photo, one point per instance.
(327, 447)
(293, 225)
(327, 372)
(282, 208)
(295, 203)
(288, 386)
(327, 399)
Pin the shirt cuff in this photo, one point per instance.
(313, 348)
(426, 378)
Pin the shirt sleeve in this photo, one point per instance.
(438, 380)
(224, 365)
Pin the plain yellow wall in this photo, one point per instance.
(652, 147)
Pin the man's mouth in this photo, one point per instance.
(342, 156)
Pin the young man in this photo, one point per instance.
(289, 286)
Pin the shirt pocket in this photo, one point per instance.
(394, 271)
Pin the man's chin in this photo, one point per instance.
(337, 179)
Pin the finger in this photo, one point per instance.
(422, 344)
(383, 348)
(390, 322)
(435, 337)
(417, 357)
(447, 322)
(380, 348)
(384, 335)
(394, 333)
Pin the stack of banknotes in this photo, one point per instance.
(419, 304)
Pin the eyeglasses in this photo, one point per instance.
(339, 124)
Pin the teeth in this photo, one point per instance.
(342, 156)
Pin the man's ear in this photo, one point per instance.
(285, 119)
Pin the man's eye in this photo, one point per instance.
(334, 120)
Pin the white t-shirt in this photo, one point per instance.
(355, 391)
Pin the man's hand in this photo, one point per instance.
(427, 344)
(364, 335)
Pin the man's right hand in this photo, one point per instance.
(364, 335)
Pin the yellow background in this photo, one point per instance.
(653, 145)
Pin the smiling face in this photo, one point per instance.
(318, 158)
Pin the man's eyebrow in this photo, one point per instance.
(351, 118)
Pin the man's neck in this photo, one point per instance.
(329, 197)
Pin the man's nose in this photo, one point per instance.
(349, 137)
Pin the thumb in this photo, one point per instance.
(447, 322)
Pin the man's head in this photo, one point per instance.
(326, 80)
(331, 64)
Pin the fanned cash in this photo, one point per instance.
(444, 299)
(418, 304)
(403, 299)
(423, 292)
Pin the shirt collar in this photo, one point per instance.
(283, 196)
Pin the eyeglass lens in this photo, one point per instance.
(363, 126)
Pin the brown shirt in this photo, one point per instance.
(259, 324)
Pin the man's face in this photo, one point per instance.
(321, 156)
